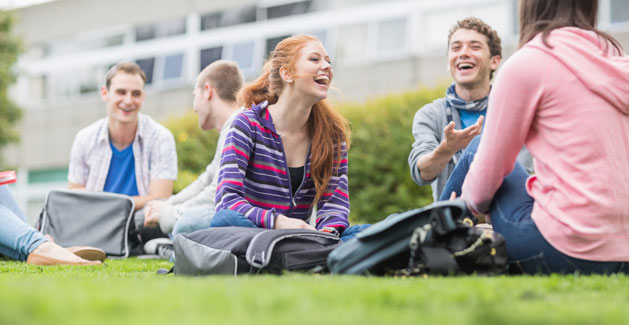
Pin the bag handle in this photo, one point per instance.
(261, 246)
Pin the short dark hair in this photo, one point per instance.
(479, 26)
(127, 67)
(225, 77)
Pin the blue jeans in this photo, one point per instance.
(231, 218)
(510, 214)
(193, 219)
(17, 238)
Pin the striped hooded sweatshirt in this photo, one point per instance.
(254, 181)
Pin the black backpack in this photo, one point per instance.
(438, 239)
(238, 250)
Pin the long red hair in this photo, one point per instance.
(328, 130)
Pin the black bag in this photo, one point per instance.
(238, 250)
(439, 238)
(97, 219)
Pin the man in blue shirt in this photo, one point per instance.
(443, 128)
(126, 152)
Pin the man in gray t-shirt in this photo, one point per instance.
(443, 128)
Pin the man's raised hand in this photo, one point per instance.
(456, 140)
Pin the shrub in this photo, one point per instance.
(195, 147)
(379, 176)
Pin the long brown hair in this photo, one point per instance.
(328, 130)
(544, 16)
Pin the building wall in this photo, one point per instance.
(378, 47)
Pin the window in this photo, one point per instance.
(147, 66)
(272, 42)
(619, 11)
(228, 17)
(143, 33)
(321, 34)
(173, 67)
(172, 28)
(243, 55)
(391, 36)
(103, 42)
(90, 79)
(163, 29)
(352, 43)
(210, 55)
(289, 9)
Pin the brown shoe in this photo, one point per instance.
(38, 259)
(88, 253)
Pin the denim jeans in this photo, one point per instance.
(510, 215)
(17, 238)
(193, 219)
(230, 218)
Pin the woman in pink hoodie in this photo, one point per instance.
(565, 95)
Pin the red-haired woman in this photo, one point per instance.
(287, 154)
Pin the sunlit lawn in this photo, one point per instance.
(129, 291)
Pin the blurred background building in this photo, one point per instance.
(377, 47)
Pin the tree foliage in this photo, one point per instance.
(379, 177)
(9, 50)
(195, 147)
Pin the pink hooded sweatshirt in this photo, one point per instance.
(570, 106)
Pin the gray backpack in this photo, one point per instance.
(238, 250)
(97, 219)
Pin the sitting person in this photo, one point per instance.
(287, 155)
(564, 94)
(126, 152)
(215, 104)
(443, 128)
(21, 242)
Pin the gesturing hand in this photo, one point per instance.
(456, 140)
(283, 222)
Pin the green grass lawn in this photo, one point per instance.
(129, 291)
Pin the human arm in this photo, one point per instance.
(284, 222)
(158, 189)
(512, 107)
(230, 191)
(333, 206)
(430, 165)
(195, 188)
(162, 164)
(78, 169)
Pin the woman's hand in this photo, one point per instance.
(284, 222)
(482, 218)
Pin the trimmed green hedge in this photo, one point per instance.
(379, 176)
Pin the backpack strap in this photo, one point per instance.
(261, 246)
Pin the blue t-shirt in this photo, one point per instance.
(121, 175)
(469, 117)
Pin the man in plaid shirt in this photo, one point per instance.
(125, 152)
